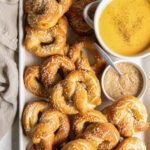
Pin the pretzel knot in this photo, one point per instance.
(52, 128)
(79, 92)
(79, 144)
(131, 143)
(39, 79)
(75, 15)
(93, 127)
(104, 135)
(44, 14)
(32, 82)
(50, 67)
(80, 59)
(128, 114)
(80, 121)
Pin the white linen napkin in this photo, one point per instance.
(8, 66)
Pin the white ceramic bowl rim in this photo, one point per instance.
(99, 10)
(138, 67)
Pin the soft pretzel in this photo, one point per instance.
(50, 67)
(30, 114)
(131, 143)
(40, 79)
(79, 144)
(32, 81)
(103, 135)
(45, 43)
(44, 14)
(63, 24)
(128, 114)
(75, 15)
(79, 58)
(79, 92)
(80, 121)
(43, 130)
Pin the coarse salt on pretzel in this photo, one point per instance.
(80, 121)
(39, 79)
(128, 114)
(44, 14)
(103, 135)
(79, 92)
(45, 43)
(79, 58)
(30, 114)
(79, 144)
(50, 67)
(44, 129)
(131, 143)
(75, 16)
(32, 81)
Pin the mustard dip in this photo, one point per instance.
(130, 84)
(124, 26)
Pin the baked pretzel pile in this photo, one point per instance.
(69, 84)
(50, 128)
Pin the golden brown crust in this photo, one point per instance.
(79, 144)
(44, 14)
(30, 114)
(131, 143)
(70, 96)
(79, 58)
(128, 114)
(63, 24)
(43, 129)
(50, 67)
(45, 43)
(80, 121)
(104, 135)
(75, 16)
(32, 82)
(40, 79)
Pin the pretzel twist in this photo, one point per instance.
(128, 114)
(45, 43)
(75, 16)
(32, 82)
(79, 58)
(93, 127)
(80, 121)
(50, 67)
(79, 92)
(43, 14)
(39, 79)
(104, 135)
(79, 144)
(43, 130)
(131, 143)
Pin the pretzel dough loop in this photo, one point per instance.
(44, 14)
(32, 82)
(128, 114)
(79, 58)
(50, 67)
(43, 129)
(70, 96)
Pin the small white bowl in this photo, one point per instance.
(138, 67)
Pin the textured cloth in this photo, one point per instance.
(8, 66)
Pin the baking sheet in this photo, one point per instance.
(27, 59)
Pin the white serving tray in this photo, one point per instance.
(27, 59)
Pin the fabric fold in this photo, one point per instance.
(8, 64)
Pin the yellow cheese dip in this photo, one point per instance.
(130, 84)
(124, 26)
